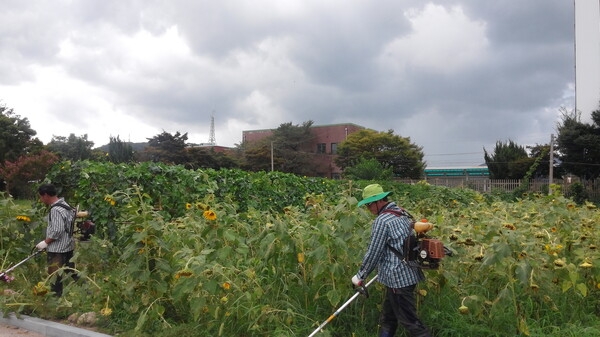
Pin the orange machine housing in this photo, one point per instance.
(433, 247)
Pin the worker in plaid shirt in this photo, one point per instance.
(399, 278)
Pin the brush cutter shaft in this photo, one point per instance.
(337, 312)
(20, 263)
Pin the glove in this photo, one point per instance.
(42, 245)
(356, 281)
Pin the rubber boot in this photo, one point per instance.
(385, 333)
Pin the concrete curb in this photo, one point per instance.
(47, 328)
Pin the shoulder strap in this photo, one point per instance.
(400, 212)
(410, 241)
(63, 205)
(69, 227)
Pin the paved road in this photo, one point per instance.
(11, 331)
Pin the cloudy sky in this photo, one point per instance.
(455, 76)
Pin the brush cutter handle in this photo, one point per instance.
(362, 289)
(337, 312)
(4, 276)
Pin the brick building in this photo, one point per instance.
(323, 145)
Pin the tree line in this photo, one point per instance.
(576, 151)
(365, 154)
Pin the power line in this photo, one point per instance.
(452, 154)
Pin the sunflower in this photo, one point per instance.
(183, 273)
(110, 200)
(106, 311)
(40, 289)
(210, 215)
(226, 285)
(23, 218)
(188, 206)
(510, 226)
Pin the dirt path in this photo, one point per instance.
(11, 331)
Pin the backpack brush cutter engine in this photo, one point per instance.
(420, 250)
(7, 278)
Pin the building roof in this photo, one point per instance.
(313, 126)
(457, 171)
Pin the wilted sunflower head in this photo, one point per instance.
(183, 273)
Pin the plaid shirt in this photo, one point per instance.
(57, 222)
(392, 271)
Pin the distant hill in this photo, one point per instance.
(136, 147)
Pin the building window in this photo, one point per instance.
(333, 148)
(321, 148)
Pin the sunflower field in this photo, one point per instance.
(179, 252)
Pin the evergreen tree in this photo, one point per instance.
(579, 145)
(509, 161)
(119, 151)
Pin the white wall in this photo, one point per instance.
(587, 57)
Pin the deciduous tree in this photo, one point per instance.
(543, 170)
(19, 174)
(166, 148)
(16, 136)
(288, 149)
(72, 148)
(291, 147)
(207, 157)
(390, 150)
(368, 169)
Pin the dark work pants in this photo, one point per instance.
(57, 261)
(399, 308)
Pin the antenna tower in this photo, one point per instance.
(211, 137)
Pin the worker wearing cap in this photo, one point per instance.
(399, 278)
(59, 242)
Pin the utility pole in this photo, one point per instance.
(551, 168)
(271, 156)
(211, 138)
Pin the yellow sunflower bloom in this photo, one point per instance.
(188, 206)
(110, 200)
(40, 289)
(210, 215)
(226, 286)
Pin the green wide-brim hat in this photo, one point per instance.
(373, 193)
